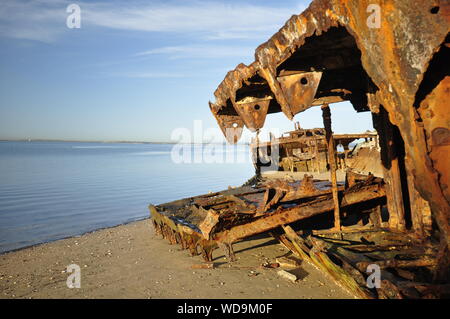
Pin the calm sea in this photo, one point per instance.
(52, 190)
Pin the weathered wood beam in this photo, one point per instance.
(297, 242)
(398, 263)
(344, 229)
(320, 259)
(391, 170)
(427, 289)
(389, 283)
(369, 237)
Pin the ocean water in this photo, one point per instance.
(53, 190)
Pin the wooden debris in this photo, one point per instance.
(288, 262)
(395, 263)
(320, 259)
(271, 265)
(287, 275)
(208, 265)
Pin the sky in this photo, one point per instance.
(134, 70)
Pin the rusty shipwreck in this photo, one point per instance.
(398, 219)
(306, 150)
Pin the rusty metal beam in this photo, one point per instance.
(290, 215)
(326, 114)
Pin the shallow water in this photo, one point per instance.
(52, 190)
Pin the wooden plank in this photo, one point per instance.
(300, 247)
(389, 283)
(398, 263)
(324, 263)
(427, 289)
(369, 237)
(340, 276)
(391, 170)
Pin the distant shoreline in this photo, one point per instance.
(107, 142)
(81, 141)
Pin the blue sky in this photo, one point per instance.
(135, 70)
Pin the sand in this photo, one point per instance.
(340, 175)
(131, 261)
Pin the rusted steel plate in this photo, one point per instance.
(234, 80)
(434, 111)
(299, 90)
(231, 126)
(253, 114)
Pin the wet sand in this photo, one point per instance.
(131, 261)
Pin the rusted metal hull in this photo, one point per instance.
(397, 69)
(231, 215)
(403, 62)
(306, 150)
(204, 223)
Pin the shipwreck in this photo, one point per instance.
(396, 216)
(306, 150)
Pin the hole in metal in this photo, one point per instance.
(434, 10)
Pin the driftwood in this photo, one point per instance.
(351, 270)
(323, 262)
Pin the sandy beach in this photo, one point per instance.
(131, 261)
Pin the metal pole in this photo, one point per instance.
(326, 114)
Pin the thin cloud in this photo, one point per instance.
(147, 75)
(45, 20)
(214, 19)
(42, 21)
(200, 51)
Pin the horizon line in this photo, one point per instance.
(100, 141)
